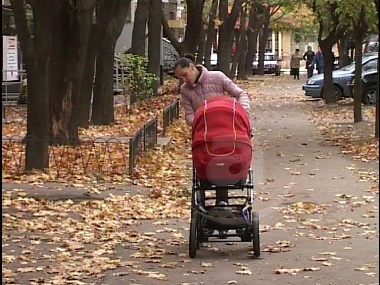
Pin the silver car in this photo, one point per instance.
(341, 77)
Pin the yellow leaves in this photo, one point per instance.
(151, 274)
(280, 246)
(294, 271)
(304, 208)
(355, 140)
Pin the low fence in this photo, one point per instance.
(109, 157)
(142, 140)
(170, 114)
(13, 112)
(102, 157)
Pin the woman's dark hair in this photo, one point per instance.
(183, 62)
(190, 56)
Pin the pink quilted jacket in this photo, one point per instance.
(210, 84)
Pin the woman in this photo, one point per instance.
(308, 56)
(295, 64)
(201, 84)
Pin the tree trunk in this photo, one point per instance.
(359, 29)
(254, 26)
(102, 106)
(226, 33)
(327, 37)
(358, 82)
(36, 54)
(235, 57)
(343, 49)
(377, 103)
(242, 46)
(210, 33)
(193, 26)
(201, 46)
(62, 73)
(139, 28)
(111, 15)
(154, 40)
(84, 105)
(328, 87)
(263, 41)
(81, 82)
(378, 64)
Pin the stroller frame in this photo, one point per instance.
(202, 222)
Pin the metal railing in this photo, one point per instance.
(150, 134)
(143, 140)
(170, 114)
(100, 157)
(136, 147)
(105, 157)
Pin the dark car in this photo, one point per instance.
(369, 87)
(341, 78)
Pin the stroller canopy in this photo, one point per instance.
(221, 118)
(221, 145)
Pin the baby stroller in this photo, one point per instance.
(222, 154)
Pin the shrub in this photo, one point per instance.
(136, 77)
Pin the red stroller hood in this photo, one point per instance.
(221, 118)
(221, 147)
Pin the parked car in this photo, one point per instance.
(371, 43)
(170, 56)
(272, 64)
(369, 87)
(341, 77)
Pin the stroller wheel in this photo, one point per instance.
(193, 238)
(255, 234)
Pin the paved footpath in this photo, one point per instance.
(319, 220)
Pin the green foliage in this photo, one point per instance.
(347, 12)
(138, 80)
(350, 13)
(298, 18)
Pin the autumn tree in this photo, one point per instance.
(194, 24)
(226, 33)
(355, 14)
(110, 17)
(330, 30)
(255, 22)
(70, 39)
(378, 63)
(36, 53)
(139, 28)
(154, 39)
(211, 33)
(241, 48)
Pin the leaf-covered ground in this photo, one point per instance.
(65, 241)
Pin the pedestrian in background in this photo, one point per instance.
(295, 64)
(308, 56)
(319, 61)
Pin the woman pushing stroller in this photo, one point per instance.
(222, 156)
(200, 84)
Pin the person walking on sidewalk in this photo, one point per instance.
(200, 84)
(308, 56)
(295, 64)
(319, 61)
